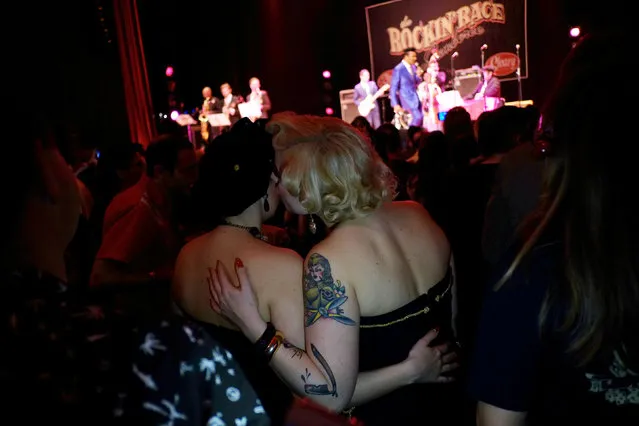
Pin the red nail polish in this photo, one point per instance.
(436, 329)
(238, 263)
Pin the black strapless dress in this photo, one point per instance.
(387, 339)
(275, 396)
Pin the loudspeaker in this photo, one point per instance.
(467, 81)
(348, 107)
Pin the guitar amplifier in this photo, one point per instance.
(347, 106)
(466, 80)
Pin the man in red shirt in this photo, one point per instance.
(140, 239)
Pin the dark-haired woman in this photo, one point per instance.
(559, 338)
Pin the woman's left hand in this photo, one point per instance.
(238, 304)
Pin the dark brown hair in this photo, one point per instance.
(590, 192)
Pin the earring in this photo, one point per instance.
(311, 225)
(267, 206)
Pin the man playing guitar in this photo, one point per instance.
(365, 97)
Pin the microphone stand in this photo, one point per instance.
(383, 103)
(482, 68)
(454, 75)
(519, 75)
(452, 68)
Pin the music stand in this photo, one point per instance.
(188, 121)
(185, 120)
(218, 120)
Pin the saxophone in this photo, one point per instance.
(206, 109)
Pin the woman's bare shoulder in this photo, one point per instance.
(275, 262)
(194, 246)
(407, 207)
(411, 212)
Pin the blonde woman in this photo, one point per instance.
(380, 280)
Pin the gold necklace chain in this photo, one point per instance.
(250, 229)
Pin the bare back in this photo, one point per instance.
(276, 276)
(390, 257)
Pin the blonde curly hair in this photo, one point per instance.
(330, 166)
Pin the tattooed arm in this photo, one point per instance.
(326, 371)
(370, 385)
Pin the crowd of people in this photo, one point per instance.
(303, 270)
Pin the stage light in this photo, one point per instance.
(575, 32)
(169, 71)
(174, 115)
(326, 74)
(329, 111)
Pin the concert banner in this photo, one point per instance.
(496, 28)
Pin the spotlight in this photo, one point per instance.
(575, 32)
(326, 74)
(174, 115)
(169, 71)
(329, 111)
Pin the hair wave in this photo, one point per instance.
(330, 166)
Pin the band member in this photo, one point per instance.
(489, 88)
(403, 90)
(365, 90)
(428, 91)
(260, 97)
(230, 103)
(210, 105)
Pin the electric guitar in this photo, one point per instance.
(367, 105)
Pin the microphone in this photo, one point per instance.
(517, 46)
(456, 54)
(484, 47)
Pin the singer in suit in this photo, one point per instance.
(259, 96)
(489, 88)
(363, 89)
(403, 90)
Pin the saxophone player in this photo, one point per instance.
(210, 105)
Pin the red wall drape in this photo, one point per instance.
(134, 74)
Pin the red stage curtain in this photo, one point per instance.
(136, 84)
